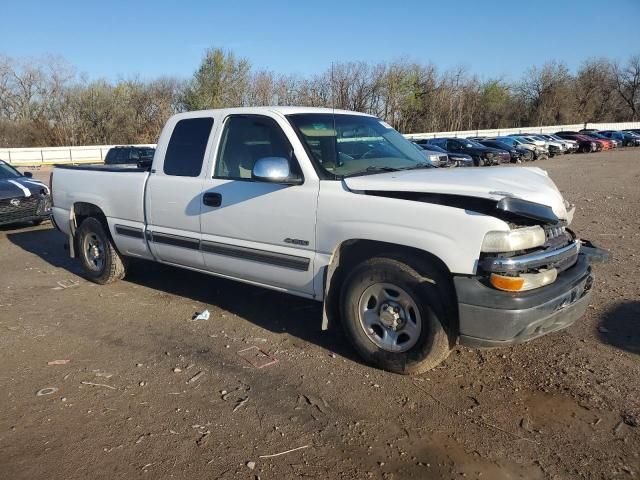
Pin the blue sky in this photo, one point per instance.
(123, 39)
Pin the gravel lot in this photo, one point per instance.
(132, 403)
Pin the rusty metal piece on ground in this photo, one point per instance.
(256, 357)
(58, 362)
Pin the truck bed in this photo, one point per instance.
(117, 190)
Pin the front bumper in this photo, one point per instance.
(34, 208)
(494, 318)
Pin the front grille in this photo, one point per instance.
(28, 207)
(443, 159)
(553, 232)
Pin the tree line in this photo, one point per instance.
(45, 102)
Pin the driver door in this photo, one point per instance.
(254, 230)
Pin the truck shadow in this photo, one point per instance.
(271, 310)
(620, 327)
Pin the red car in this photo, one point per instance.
(586, 143)
(606, 143)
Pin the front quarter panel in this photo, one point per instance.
(454, 235)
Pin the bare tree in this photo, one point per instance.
(627, 82)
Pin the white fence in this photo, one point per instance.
(49, 155)
(507, 131)
(94, 154)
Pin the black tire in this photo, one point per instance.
(107, 265)
(433, 342)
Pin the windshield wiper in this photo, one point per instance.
(420, 165)
(373, 169)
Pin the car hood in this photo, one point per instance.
(21, 187)
(527, 183)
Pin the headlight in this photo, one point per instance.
(433, 158)
(593, 144)
(512, 240)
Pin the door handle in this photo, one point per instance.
(212, 199)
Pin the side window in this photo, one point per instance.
(185, 152)
(246, 139)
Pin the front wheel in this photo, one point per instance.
(100, 260)
(394, 316)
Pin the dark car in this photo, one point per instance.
(517, 154)
(139, 156)
(481, 155)
(585, 144)
(456, 159)
(22, 199)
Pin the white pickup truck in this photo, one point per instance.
(338, 207)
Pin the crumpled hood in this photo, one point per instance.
(494, 183)
(21, 187)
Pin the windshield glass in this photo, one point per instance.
(348, 145)
(7, 171)
(471, 143)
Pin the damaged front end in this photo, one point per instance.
(530, 280)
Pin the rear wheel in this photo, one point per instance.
(394, 316)
(100, 260)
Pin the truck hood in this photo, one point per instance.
(494, 183)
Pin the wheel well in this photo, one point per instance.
(352, 252)
(82, 210)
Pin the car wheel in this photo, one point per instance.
(394, 316)
(100, 260)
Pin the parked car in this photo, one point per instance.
(138, 156)
(481, 155)
(518, 154)
(599, 136)
(607, 144)
(22, 199)
(625, 139)
(338, 207)
(570, 146)
(585, 144)
(539, 153)
(456, 159)
(633, 130)
(555, 147)
(437, 159)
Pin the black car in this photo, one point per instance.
(455, 159)
(481, 155)
(139, 156)
(22, 199)
(517, 154)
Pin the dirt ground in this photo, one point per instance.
(149, 393)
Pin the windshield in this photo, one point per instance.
(348, 145)
(471, 143)
(7, 171)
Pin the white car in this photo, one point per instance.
(568, 145)
(338, 207)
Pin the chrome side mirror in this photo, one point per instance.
(274, 170)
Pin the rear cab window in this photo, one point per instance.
(187, 146)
